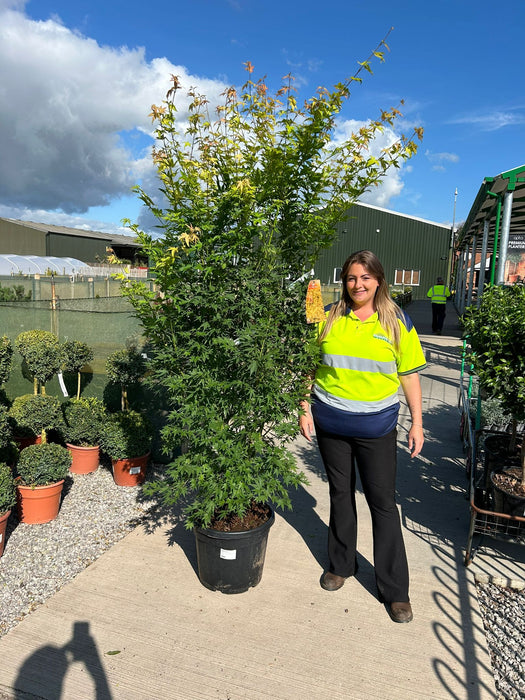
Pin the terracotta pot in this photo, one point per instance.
(28, 440)
(130, 471)
(85, 459)
(3, 527)
(38, 504)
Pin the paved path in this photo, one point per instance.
(138, 625)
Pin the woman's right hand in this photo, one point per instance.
(306, 423)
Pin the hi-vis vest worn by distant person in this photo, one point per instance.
(359, 375)
(438, 294)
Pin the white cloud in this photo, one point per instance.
(64, 102)
(493, 121)
(439, 160)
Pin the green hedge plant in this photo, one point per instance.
(83, 421)
(125, 367)
(495, 334)
(7, 488)
(251, 194)
(40, 465)
(36, 414)
(75, 355)
(42, 354)
(127, 434)
(6, 357)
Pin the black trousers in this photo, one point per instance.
(439, 311)
(376, 460)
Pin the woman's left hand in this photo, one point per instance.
(416, 438)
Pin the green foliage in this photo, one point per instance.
(5, 427)
(14, 293)
(7, 489)
(252, 199)
(83, 421)
(40, 465)
(42, 354)
(125, 367)
(496, 336)
(6, 355)
(35, 414)
(127, 434)
(75, 355)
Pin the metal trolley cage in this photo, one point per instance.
(484, 520)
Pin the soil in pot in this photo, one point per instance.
(497, 455)
(509, 495)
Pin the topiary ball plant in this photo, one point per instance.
(75, 355)
(83, 421)
(127, 434)
(125, 367)
(42, 354)
(36, 414)
(40, 465)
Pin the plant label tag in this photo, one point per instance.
(1, 537)
(134, 470)
(228, 554)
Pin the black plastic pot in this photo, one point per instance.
(231, 562)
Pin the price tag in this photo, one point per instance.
(134, 470)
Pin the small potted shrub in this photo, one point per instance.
(496, 334)
(6, 355)
(83, 421)
(33, 416)
(41, 471)
(7, 500)
(42, 355)
(75, 355)
(127, 437)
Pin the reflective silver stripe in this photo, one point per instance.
(354, 406)
(359, 364)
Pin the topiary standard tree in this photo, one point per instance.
(125, 367)
(75, 355)
(42, 354)
(251, 200)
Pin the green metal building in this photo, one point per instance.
(413, 251)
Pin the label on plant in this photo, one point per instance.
(134, 470)
(228, 554)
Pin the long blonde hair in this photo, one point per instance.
(388, 312)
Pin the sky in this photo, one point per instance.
(77, 81)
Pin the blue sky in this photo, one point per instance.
(77, 80)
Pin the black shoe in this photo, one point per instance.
(400, 612)
(332, 582)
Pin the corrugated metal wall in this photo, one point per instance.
(400, 242)
(21, 239)
(86, 249)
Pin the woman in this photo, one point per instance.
(369, 348)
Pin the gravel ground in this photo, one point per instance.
(95, 514)
(38, 559)
(503, 612)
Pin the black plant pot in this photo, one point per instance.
(231, 562)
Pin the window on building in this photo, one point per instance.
(407, 277)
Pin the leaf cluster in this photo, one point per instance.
(7, 488)
(35, 414)
(127, 434)
(84, 419)
(40, 465)
(6, 356)
(41, 352)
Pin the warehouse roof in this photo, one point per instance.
(69, 231)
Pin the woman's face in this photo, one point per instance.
(361, 286)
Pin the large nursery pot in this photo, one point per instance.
(41, 473)
(4, 517)
(127, 437)
(84, 460)
(232, 562)
(506, 492)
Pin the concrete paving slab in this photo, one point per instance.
(137, 624)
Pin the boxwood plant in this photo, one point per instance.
(249, 197)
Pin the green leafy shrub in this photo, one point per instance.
(14, 293)
(495, 334)
(42, 354)
(7, 488)
(83, 421)
(127, 434)
(36, 414)
(6, 356)
(40, 465)
(252, 198)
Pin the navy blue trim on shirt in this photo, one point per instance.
(370, 425)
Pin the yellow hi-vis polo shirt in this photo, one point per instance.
(360, 368)
(438, 293)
